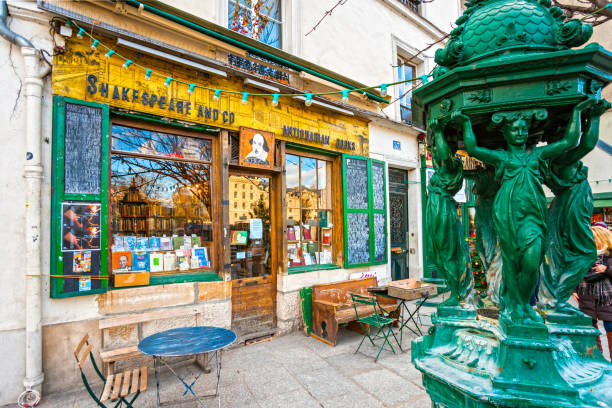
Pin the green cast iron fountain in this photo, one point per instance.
(511, 92)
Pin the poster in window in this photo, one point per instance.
(256, 148)
(80, 226)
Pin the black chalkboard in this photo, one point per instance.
(358, 238)
(378, 185)
(380, 237)
(82, 265)
(82, 149)
(357, 184)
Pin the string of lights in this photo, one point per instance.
(96, 44)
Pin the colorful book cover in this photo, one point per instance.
(130, 244)
(140, 261)
(306, 231)
(84, 283)
(117, 243)
(178, 242)
(165, 244)
(238, 238)
(154, 243)
(195, 262)
(81, 261)
(195, 241)
(169, 261)
(142, 243)
(122, 261)
(187, 242)
(183, 262)
(202, 255)
(290, 234)
(327, 237)
(156, 262)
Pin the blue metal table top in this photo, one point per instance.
(186, 341)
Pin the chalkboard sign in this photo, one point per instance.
(365, 211)
(358, 242)
(83, 149)
(380, 237)
(378, 185)
(357, 183)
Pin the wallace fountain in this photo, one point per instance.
(513, 88)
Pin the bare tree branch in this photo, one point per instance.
(327, 13)
(592, 11)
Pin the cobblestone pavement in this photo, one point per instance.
(294, 371)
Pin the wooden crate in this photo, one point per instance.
(410, 289)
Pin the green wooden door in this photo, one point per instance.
(398, 223)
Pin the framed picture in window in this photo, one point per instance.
(256, 148)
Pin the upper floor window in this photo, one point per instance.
(405, 71)
(413, 5)
(258, 19)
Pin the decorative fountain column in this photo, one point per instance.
(511, 92)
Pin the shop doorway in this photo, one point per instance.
(252, 253)
(398, 207)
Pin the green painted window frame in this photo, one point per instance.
(370, 211)
(58, 196)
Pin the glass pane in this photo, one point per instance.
(356, 184)
(324, 174)
(147, 142)
(260, 21)
(308, 172)
(397, 208)
(250, 228)
(358, 234)
(292, 180)
(378, 185)
(380, 237)
(160, 215)
(325, 237)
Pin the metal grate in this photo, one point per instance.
(397, 176)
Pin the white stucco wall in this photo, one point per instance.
(599, 161)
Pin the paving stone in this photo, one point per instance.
(300, 359)
(326, 383)
(424, 402)
(352, 364)
(265, 383)
(388, 387)
(354, 399)
(402, 365)
(296, 398)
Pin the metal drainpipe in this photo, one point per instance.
(35, 71)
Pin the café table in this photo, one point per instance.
(404, 291)
(184, 342)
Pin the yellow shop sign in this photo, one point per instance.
(83, 73)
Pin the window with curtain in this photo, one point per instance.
(258, 19)
(405, 72)
(309, 211)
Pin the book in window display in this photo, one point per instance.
(140, 261)
(154, 243)
(156, 262)
(122, 261)
(130, 243)
(142, 243)
(169, 261)
(165, 243)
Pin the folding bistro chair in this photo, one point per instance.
(116, 386)
(378, 319)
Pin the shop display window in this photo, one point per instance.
(160, 202)
(309, 211)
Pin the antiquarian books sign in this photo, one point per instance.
(256, 148)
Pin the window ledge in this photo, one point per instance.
(311, 268)
(178, 278)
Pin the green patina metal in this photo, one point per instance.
(510, 91)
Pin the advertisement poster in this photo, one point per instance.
(256, 228)
(81, 262)
(256, 148)
(80, 226)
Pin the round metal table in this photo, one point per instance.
(187, 341)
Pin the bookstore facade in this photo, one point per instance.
(161, 188)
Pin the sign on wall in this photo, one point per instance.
(256, 148)
(85, 74)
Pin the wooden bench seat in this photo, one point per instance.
(332, 306)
